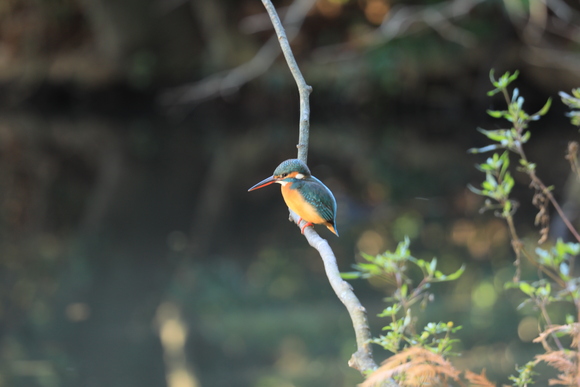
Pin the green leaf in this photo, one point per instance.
(527, 288)
(564, 271)
(572, 101)
(544, 291)
(491, 76)
(407, 319)
(567, 248)
(484, 167)
(512, 77)
(507, 208)
(350, 275)
(475, 190)
(546, 107)
(403, 248)
(485, 148)
(525, 374)
(453, 276)
(505, 163)
(526, 136)
(496, 113)
(511, 285)
(368, 257)
(515, 94)
(495, 135)
(507, 184)
(390, 311)
(432, 265)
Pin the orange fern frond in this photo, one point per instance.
(563, 361)
(563, 380)
(557, 359)
(549, 330)
(575, 333)
(420, 374)
(478, 380)
(414, 367)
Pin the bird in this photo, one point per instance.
(304, 194)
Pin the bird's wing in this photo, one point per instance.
(321, 198)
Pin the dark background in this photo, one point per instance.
(131, 253)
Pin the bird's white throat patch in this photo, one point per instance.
(282, 182)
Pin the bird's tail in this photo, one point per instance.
(332, 228)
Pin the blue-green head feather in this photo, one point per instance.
(292, 165)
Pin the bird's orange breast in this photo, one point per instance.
(296, 202)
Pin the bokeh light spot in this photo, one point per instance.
(433, 236)
(283, 287)
(484, 295)
(462, 232)
(49, 246)
(77, 311)
(376, 10)
(371, 242)
(173, 334)
(407, 225)
(177, 241)
(329, 8)
(377, 193)
(528, 329)
(292, 359)
(181, 378)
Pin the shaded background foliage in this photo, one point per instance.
(131, 254)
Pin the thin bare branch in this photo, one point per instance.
(539, 185)
(572, 157)
(362, 359)
(405, 20)
(228, 82)
(303, 88)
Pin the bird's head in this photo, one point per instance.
(287, 172)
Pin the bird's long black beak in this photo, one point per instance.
(263, 183)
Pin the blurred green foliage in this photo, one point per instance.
(402, 331)
(556, 282)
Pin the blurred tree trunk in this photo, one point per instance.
(143, 41)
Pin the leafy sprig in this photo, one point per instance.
(401, 332)
(555, 264)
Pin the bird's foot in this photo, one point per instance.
(308, 224)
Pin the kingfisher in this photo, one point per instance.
(304, 194)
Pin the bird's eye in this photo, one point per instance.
(284, 175)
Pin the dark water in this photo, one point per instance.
(133, 255)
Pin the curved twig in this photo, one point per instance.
(303, 89)
(362, 359)
(227, 82)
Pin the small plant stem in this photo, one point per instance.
(572, 157)
(560, 212)
(506, 96)
(537, 182)
(517, 246)
(519, 249)
(542, 307)
(399, 282)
